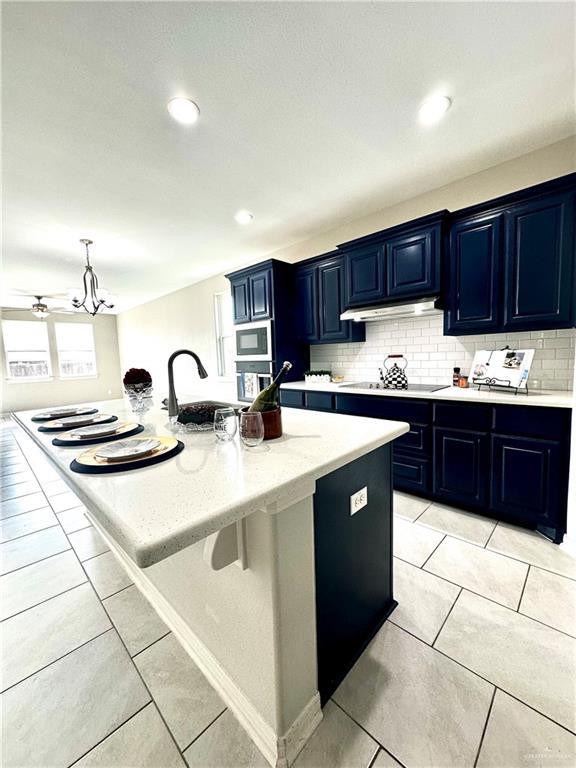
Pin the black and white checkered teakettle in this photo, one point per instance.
(395, 376)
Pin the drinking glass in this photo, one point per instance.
(251, 428)
(225, 423)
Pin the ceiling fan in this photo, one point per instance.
(40, 307)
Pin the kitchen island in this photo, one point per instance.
(272, 565)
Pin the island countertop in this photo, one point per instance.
(156, 511)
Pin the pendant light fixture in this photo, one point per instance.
(40, 309)
(90, 303)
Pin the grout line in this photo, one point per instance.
(122, 589)
(485, 727)
(40, 559)
(23, 536)
(148, 703)
(26, 512)
(203, 731)
(523, 588)
(341, 707)
(54, 661)
(92, 557)
(474, 672)
(24, 495)
(153, 642)
(489, 537)
(46, 599)
(447, 617)
(374, 756)
(434, 550)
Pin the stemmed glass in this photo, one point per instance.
(251, 428)
(225, 423)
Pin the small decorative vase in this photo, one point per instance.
(272, 422)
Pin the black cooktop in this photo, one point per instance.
(409, 388)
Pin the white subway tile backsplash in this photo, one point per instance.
(432, 356)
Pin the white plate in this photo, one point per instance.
(62, 412)
(81, 420)
(98, 430)
(127, 449)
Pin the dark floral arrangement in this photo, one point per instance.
(136, 376)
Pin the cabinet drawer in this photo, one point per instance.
(319, 401)
(411, 473)
(463, 416)
(292, 398)
(418, 439)
(382, 407)
(549, 423)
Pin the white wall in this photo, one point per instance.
(148, 335)
(432, 356)
(21, 395)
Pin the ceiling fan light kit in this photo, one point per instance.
(40, 309)
(90, 303)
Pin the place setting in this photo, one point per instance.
(135, 453)
(64, 412)
(98, 433)
(59, 425)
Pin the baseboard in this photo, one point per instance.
(280, 751)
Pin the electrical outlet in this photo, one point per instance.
(358, 500)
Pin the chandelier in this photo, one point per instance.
(90, 303)
(40, 309)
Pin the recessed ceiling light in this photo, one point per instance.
(243, 217)
(433, 109)
(184, 110)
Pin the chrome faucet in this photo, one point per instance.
(172, 401)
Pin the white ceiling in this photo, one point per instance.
(308, 117)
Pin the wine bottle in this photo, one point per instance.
(267, 400)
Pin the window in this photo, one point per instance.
(224, 334)
(27, 349)
(75, 344)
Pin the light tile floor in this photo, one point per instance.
(476, 666)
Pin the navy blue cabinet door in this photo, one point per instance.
(260, 295)
(307, 304)
(241, 300)
(331, 301)
(461, 461)
(413, 264)
(474, 259)
(365, 275)
(539, 279)
(526, 480)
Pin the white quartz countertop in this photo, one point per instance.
(546, 398)
(158, 510)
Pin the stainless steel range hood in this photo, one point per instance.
(424, 307)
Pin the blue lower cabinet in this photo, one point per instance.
(292, 398)
(461, 465)
(411, 473)
(527, 483)
(319, 401)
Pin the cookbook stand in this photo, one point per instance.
(500, 384)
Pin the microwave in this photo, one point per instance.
(254, 341)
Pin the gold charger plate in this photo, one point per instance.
(120, 428)
(89, 459)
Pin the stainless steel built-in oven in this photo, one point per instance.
(251, 378)
(254, 341)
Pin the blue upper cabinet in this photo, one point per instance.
(260, 291)
(307, 303)
(252, 294)
(511, 263)
(476, 251)
(396, 264)
(539, 281)
(365, 275)
(320, 296)
(413, 263)
(241, 300)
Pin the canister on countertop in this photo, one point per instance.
(456, 377)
